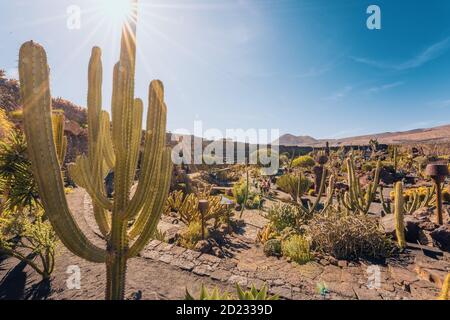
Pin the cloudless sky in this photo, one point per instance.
(306, 67)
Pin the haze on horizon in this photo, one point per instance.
(306, 67)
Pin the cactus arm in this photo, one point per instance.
(96, 129)
(321, 190)
(399, 212)
(95, 170)
(373, 187)
(154, 141)
(154, 213)
(350, 198)
(124, 113)
(64, 149)
(152, 201)
(330, 192)
(36, 98)
(136, 138)
(82, 175)
(94, 100)
(102, 219)
(123, 105)
(108, 150)
(346, 202)
(356, 198)
(386, 205)
(58, 135)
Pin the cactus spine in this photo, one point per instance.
(357, 199)
(398, 215)
(118, 152)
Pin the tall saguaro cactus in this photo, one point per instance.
(117, 149)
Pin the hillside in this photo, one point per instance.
(76, 116)
(439, 134)
(76, 122)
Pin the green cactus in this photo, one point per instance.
(414, 201)
(357, 199)
(118, 152)
(58, 121)
(398, 214)
(395, 159)
(309, 209)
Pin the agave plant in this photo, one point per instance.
(252, 294)
(18, 187)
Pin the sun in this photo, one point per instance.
(117, 11)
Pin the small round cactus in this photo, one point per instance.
(272, 248)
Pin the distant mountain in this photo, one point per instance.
(291, 140)
(439, 134)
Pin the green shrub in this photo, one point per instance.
(240, 192)
(192, 235)
(282, 216)
(25, 236)
(295, 185)
(254, 201)
(297, 248)
(272, 248)
(367, 167)
(18, 186)
(306, 162)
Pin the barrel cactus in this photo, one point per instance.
(127, 223)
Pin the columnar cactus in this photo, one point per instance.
(357, 199)
(395, 159)
(399, 216)
(118, 152)
(319, 169)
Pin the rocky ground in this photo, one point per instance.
(164, 271)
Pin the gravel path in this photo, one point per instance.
(156, 280)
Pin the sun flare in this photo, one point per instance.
(117, 11)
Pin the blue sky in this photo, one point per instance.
(306, 67)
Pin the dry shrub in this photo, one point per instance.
(348, 236)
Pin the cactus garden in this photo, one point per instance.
(94, 204)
